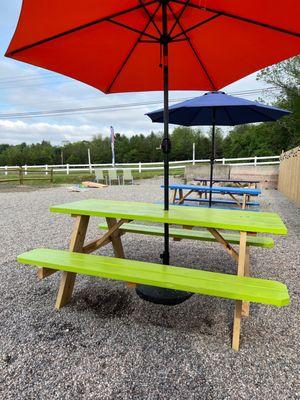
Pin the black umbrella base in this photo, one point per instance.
(157, 295)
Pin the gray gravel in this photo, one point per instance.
(109, 344)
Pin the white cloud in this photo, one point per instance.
(14, 132)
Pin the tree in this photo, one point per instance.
(285, 76)
(182, 139)
(271, 137)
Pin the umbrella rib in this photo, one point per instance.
(194, 51)
(244, 19)
(191, 28)
(262, 113)
(78, 28)
(229, 116)
(130, 28)
(179, 16)
(196, 115)
(149, 16)
(132, 50)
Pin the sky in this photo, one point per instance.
(26, 88)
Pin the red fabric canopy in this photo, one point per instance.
(114, 45)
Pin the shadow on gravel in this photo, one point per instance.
(116, 303)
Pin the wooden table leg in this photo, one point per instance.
(183, 198)
(174, 197)
(180, 192)
(76, 244)
(242, 261)
(246, 304)
(236, 200)
(237, 325)
(115, 238)
(177, 239)
(117, 245)
(244, 204)
(205, 193)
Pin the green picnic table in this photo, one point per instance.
(119, 217)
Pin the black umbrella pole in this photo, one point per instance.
(212, 158)
(166, 140)
(150, 293)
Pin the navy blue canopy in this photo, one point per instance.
(220, 109)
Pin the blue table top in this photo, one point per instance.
(216, 189)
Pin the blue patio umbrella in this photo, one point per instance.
(218, 108)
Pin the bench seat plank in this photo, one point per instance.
(259, 241)
(190, 280)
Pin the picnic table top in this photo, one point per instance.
(226, 180)
(216, 189)
(192, 216)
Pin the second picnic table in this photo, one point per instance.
(233, 192)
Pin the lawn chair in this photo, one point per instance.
(99, 176)
(127, 176)
(112, 176)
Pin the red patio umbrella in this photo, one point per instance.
(141, 45)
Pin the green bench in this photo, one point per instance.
(190, 280)
(179, 233)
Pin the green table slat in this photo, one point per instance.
(195, 281)
(208, 218)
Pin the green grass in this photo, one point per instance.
(60, 178)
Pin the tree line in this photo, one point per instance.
(241, 141)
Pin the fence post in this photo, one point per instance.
(223, 161)
(90, 163)
(5, 170)
(68, 171)
(255, 161)
(25, 167)
(21, 175)
(194, 153)
(140, 167)
(51, 175)
(46, 168)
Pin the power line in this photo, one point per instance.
(114, 107)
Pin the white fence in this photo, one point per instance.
(140, 167)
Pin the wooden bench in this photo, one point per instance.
(179, 233)
(190, 280)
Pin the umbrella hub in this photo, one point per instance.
(165, 39)
(164, 1)
(214, 92)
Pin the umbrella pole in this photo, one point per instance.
(150, 293)
(212, 158)
(166, 141)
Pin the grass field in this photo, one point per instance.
(74, 177)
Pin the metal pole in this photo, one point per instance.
(212, 158)
(150, 293)
(166, 144)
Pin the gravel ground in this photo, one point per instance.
(109, 344)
